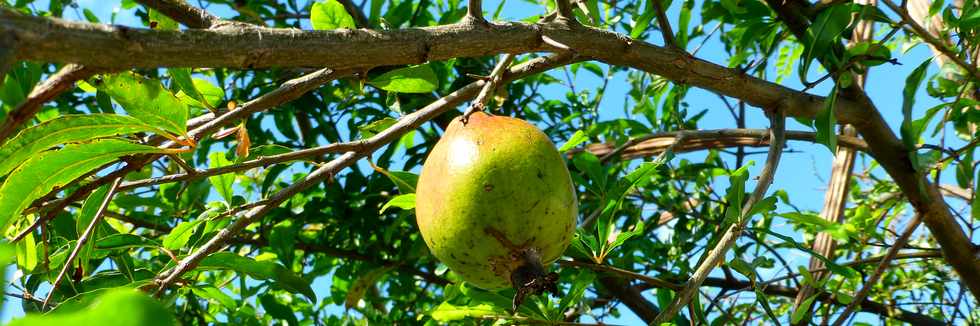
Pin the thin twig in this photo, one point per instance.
(717, 255)
(623, 273)
(82, 239)
(495, 79)
(665, 29)
(880, 270)
(936, 43)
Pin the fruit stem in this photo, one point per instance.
(529, 278)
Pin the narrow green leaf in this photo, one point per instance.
(66, 129)
(376, 127)
(576, 139)
(209, 96)
(213, 293)
(124, 241)
(89, 208)
(181, 234)
(910, 136)
(823, 34)
(412, 79)
(403, 201)
(447, 312)
(27, 251)
(802, 309)
(223, 182)
(831, 265)
(277, 309)
(826, 123)
(330, 14)
(147, 100)
(582, 282)
(260, 270)
(52, 169)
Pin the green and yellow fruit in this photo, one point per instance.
(495, 202)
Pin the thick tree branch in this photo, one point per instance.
(716, 255)
(406, 123)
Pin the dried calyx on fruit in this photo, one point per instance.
(496, 204)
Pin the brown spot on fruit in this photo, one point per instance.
(488, 187)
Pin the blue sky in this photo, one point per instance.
(802, 172)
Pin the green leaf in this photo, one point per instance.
(124, 241)
(89, 208)
(147, 100)
(376, 127)
(802, 309)
(446, 311)
(27, 250)
(223, 182)
(277, 309)
(260, 270)
(837, 231)
(403, 201)
(202, 93)
(117, 307)
(826, 123)
(911, 134)
(831, 265)
(330, 14)
(405, 181)
(411, 79)
(282, 239)
(66, 129)
(181, 234)
(213, 293)
(159, 21)
(576, 139)
(52, 169)
(582, 282)
(823, 34)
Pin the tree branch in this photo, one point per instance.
(82, 239)
(714, 257)
(665, 30)
(183, 13)
(406, 123)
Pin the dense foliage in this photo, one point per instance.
(249, 190)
